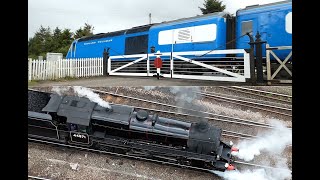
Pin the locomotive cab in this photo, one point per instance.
(77, 112)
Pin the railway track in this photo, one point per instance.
(217, 117)
(230, 92)
(246, 129)
(260, 166)
(284, 98)
(139, 158)
(176, 110)
(250, 104)
(261, 91)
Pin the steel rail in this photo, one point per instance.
(141, 158)
(260, 108)
(244, 101)
(266, 92)
(263, 166)
(255, 94)
(36, 177)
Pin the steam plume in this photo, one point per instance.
(273, 142)
(85, 92)
(60, 89)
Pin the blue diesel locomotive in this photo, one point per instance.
(216, 31)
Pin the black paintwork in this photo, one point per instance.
(124, 128)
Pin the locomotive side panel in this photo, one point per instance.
(94, 48)
(192, 34)
(274, 23)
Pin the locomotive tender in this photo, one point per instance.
(216, 31)
(125, 130)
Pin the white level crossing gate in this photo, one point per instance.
(179, 65)
(283, 63)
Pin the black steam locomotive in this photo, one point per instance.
(125, 130)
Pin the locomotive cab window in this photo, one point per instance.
(82, 128)
(246, 26)
(136, 45)
(79, 128)
(73, 47)
(289, 23)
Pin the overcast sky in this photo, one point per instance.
(111, 15)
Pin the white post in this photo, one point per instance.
(94, 66)
(171, 59)
(89, 67)
(29, 68)
(33, 68)
(60, 69)
(76, 67)
(148, 65)
(37, 70)
(268, 64)
(41, 70)
(46, 66)
(48, 70)
(109, 64)
(246, 64)
(171, 65)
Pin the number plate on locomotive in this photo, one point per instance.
(79, 137)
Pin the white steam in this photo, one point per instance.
(273, 142)
(256, 174)
(185, 94)
(60, 89)
(85, 92)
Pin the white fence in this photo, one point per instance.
(50, 70)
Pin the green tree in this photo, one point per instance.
(41, 43)
(211, 6)
(65, 41)
(58, 40)
(87, 30)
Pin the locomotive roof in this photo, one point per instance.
(117, 33)
(77, 110)
(148, 26)
(119, 114)
(265, 5)
(190, 19)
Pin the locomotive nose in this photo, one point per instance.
(229, 167)
(234, 151)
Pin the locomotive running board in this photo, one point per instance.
(225, 75)
(118, 154)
